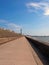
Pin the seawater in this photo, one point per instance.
(41, 38)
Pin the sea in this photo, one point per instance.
(41, 38)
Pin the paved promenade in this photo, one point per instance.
(16, 52)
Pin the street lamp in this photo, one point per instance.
(21, 31)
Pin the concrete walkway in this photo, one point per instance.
(16, 52)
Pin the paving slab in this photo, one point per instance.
(16, 52)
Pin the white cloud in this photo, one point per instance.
(32, 5)
(14, 27)
(46, 11)
(44, 6)
(11, 26)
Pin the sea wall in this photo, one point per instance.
(43, 47)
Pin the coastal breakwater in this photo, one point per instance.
(41, 46)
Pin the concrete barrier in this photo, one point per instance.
(43, 47)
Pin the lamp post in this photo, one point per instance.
(21, 31)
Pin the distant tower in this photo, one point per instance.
(21, 31)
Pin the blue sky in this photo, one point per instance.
(30, 15)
